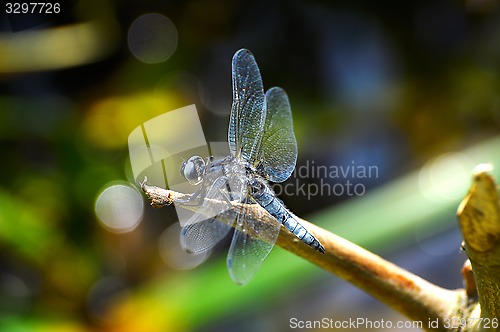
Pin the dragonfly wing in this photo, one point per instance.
(203, 235)
(278, 152)
(204, 230)
(248, 251)
(248, 112)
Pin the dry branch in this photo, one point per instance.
(416, 298)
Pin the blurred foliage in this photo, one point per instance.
(387, 83)
(109, 122)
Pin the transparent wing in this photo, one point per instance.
(247, 112)
(248, 251)
(278, 153)
(203, 230)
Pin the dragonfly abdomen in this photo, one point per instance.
(268, 200)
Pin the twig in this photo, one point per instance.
(479, 216)
(407, 293)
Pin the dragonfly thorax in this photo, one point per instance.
(257, 186)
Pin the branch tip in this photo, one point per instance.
(479, 218)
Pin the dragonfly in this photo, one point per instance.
(263, 149)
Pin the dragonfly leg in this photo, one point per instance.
(194, 199)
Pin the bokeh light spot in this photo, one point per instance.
(119, 208)
(14, 295)
(446, 178)
(152, 38)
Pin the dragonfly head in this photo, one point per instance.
(192, 169)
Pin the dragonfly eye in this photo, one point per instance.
(192, 169)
